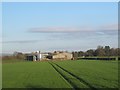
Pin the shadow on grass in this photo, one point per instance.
(34, 87)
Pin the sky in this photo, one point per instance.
(49, 26)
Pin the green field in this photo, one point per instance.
(61, 74)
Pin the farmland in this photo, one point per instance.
(61, 74)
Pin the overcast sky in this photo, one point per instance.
(58, 26)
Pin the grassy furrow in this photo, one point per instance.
(99, 74)
(76, 83)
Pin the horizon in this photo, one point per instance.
(60, 26)
(4, 54)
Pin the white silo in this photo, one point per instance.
(39, 55)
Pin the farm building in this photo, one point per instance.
(37, 56)
(31, 57)
(57, 55)
(60, 55)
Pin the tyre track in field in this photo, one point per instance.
(78, 78)
(67, 80)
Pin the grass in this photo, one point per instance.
(99, 74)
(12, 60)
(61, 74)
(31, 75)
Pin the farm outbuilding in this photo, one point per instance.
(61, 56)
(37, 56)
(49, 56)
(34, 56)
(31, 57)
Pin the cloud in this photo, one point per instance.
(20, 41)
(101, 33)
(59, 29)
(109, 27)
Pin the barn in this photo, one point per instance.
(60, 56)
(57, 55)
(31, 57)
(34, 56)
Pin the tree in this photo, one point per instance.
(99, 51)
(81, 53)
(113, 52)
(75, 55)
(118, 51)
(107, 50)
(19, 55)
(90, 52)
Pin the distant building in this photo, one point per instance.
(57, 55)
(60, 56)
(31, 57)
(37, 56)
(34, 56)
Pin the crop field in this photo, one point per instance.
(91, 74)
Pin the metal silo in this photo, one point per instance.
(38, 55)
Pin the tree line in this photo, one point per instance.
(100, 51)
(16, 55)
